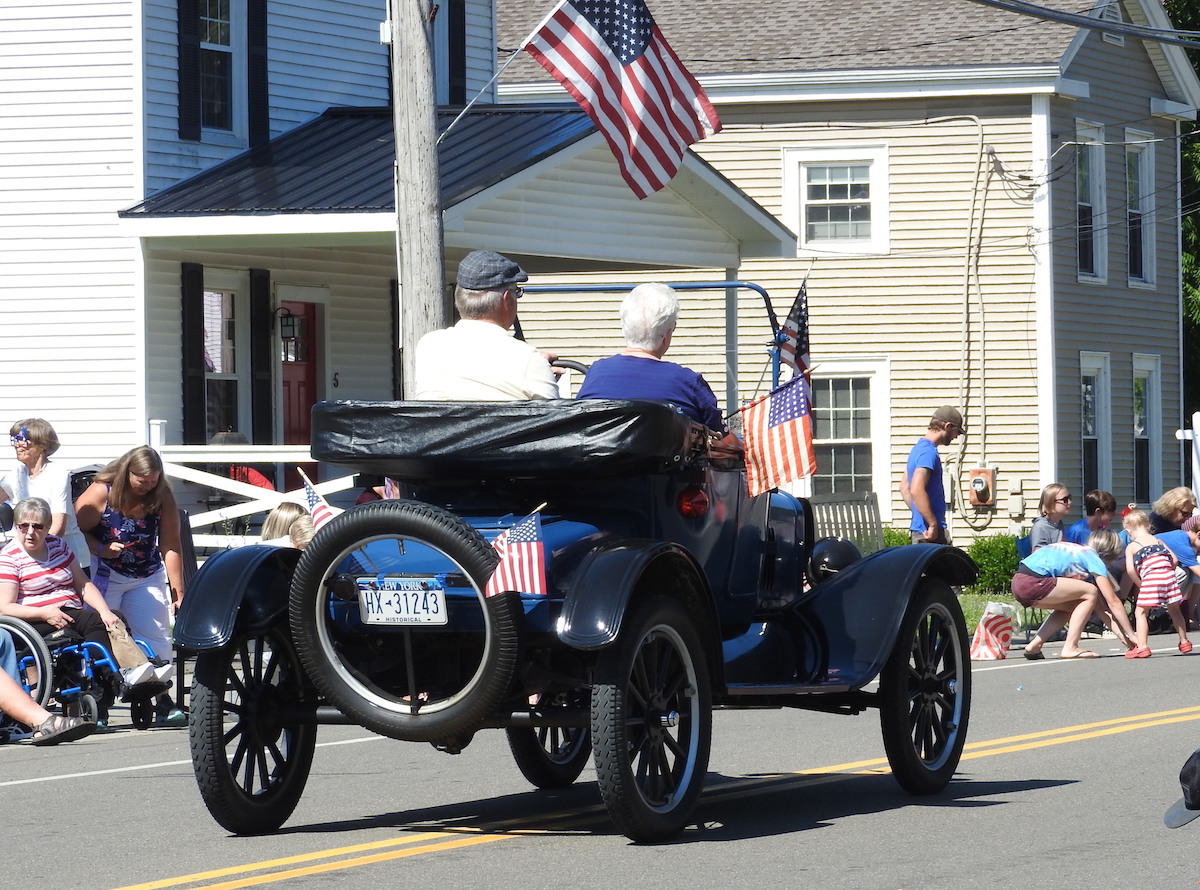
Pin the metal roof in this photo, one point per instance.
(342, 162)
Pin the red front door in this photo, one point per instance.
(300, 358)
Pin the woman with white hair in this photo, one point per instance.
(648, 317)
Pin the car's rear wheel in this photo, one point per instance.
(652, 722)
(925, 691)
(251, 763)
(426, 681)
(552, 756)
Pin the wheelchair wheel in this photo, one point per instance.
(33, 658)
(141, 711)
(89, 708)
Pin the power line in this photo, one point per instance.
(1172, 36)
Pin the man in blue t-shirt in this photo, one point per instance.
(648, 317)
(922, 487)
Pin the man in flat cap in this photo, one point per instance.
(922, 487)
(478, 360)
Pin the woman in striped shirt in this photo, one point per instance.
(42, 583)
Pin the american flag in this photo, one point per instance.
(793, 351)
(613, 60)
(321, 511)
(522, 565)
(779, 442)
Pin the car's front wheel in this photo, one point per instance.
(925, 691)
(652, 722)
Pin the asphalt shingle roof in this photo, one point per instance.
(341, 162)
(759, 36)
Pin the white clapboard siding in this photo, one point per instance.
(70, 310)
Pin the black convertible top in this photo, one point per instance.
(425, 441)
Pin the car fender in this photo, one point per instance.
(242, 587)
(607, 578)
(858, 612)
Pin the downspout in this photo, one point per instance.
(1045, 360)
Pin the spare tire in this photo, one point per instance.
(390, 619)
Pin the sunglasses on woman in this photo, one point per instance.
(26, 526)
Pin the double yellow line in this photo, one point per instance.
(423, 842)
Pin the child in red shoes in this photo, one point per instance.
(1152, 566)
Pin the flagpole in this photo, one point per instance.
(500, 71)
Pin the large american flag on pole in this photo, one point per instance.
(522, 565)
(779, 441)
(613, 60)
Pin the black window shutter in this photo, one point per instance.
(258, 103)
(189, 69)
(262, 361)
(191, 287)
(456, 52)
(394, 316)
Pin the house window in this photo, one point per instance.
(851, 431)
(837, 199)
(1139, 205)
(1147, 470)
(1094, 413)
(222, 389)
(216, 65)
(842, 437)
(1090, 235)
(223, 71)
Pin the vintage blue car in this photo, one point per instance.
(664, 592)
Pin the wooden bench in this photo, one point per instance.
(853, 515)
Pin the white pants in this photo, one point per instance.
(146, 603)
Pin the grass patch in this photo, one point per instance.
(973, 605)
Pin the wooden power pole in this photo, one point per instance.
(419, 248)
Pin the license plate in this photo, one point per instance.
(402, 601)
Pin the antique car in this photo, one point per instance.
(658, 590)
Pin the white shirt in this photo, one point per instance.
(52, 484)
(478, 361)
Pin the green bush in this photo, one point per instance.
(894, 537)
(996, 556)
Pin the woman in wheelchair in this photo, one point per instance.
(41, 582)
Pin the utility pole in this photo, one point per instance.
(419, 253)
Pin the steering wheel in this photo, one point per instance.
(568, 363)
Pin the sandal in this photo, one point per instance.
(1185, 647)
(62, 729)
(1140, 652)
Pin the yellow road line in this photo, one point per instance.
(267, 872)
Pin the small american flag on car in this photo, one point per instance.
(779, 441)
(317, 506)
(522, 565)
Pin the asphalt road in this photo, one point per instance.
(1068, 769)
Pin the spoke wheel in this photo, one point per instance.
(422, 682)
(925, 691)
(652, 722)
(250, 765)
(552, 756)
(34, 663)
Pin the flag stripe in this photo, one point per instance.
(779, 445)
(522, 564)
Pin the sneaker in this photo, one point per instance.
(166, 714)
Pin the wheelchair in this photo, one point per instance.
(79, 673)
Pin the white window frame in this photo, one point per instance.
(1097, 364)
(1089, 138)
(875, 157)
(238, 51)
(878, 372)
(237, 283)
(1149, 368)
(1140, 143)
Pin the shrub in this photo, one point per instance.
(996, 556)
(894, 537)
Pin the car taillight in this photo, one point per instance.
(693, 502)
